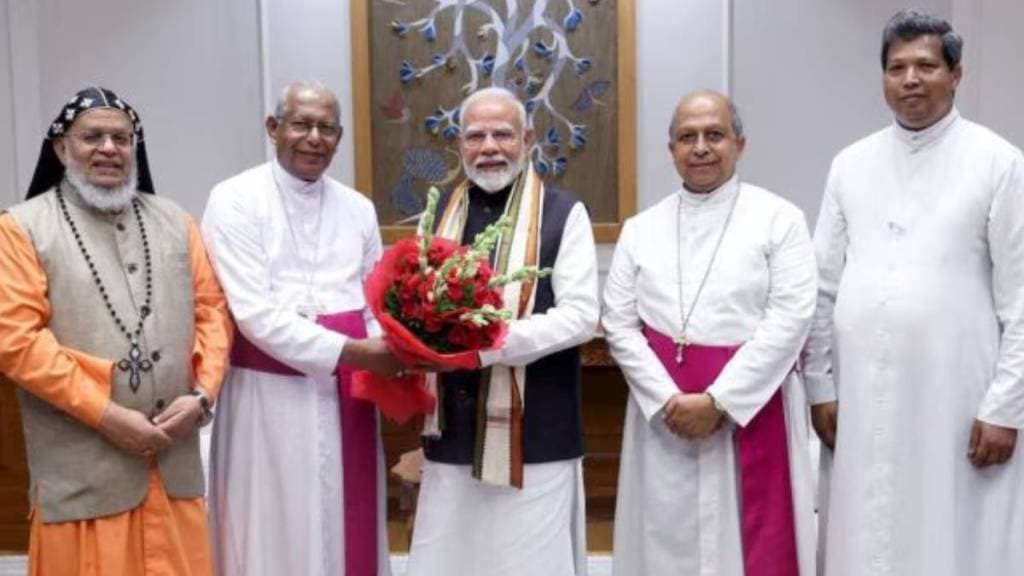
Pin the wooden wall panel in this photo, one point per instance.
(13, 474)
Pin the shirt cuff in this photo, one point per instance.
(654, 404)
(728, 407)
(94, 398)
(489, 357)
(990, 413)
(819, 390)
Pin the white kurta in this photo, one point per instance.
(464, 527)
(276, 488)
(678, 501)
(920, 244)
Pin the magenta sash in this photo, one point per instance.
(766, 498)
(358, 442)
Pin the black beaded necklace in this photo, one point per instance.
(135, 362)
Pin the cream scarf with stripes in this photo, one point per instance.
(498, 454)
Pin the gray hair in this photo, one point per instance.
(734, 115)
(911, 24)
(493, 92)
(281, 104)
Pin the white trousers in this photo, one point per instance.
(467, 528)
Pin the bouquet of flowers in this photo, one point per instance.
(438, 304)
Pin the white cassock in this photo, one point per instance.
(920, 245)
(276, 478)
(678, 510)
(467, 528)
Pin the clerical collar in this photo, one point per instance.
(286, 181)
(918, 139)
(716, 197)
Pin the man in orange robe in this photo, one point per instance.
(116, 332)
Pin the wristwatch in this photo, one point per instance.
(204, 404)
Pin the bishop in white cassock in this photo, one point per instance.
(714, 483)
(297, 471)
(919, 332)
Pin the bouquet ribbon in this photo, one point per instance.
(358, 441)
(766, 515)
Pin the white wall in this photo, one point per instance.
(807, 78)
(310, 39)
(190, 67)
(8, 160)
(203, 74)
(304, 38)
(808, 82)
(681, 47)
(994, 73)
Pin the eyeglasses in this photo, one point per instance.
(305, 127)
(476, 138)
(97, 138)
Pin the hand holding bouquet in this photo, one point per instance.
(439, 304)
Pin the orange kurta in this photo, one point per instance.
(162, 535)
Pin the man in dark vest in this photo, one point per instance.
(116, 332)
(502, 490)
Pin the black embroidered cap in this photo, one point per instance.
(50, 170)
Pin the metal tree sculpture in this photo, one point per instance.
(513, 61)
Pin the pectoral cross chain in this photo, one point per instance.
(680, 342)
(136, 364)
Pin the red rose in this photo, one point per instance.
(456, 292)
(411, 310)
(432, 323)
(407, 255)
(426, 285)
(484, 273)
(491, 333)
(484, 295)
(464, 337)
(408, 284)
(439, 251)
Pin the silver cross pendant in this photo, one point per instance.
(135, 363)
(680, 342)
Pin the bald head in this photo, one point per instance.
(706, 140)
(734, 113)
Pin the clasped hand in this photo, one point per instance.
(692, 416)
(132, 432)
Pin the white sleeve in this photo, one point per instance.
(1003, 404)
(573, 319)
(372, 250)
(830, 242)
(232, 230)
(648, 380)
(757, 369)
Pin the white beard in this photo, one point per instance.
(495, 181)
(103, 199)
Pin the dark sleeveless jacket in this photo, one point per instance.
(552, 418)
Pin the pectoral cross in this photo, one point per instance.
(680, 342)
(136, 364)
